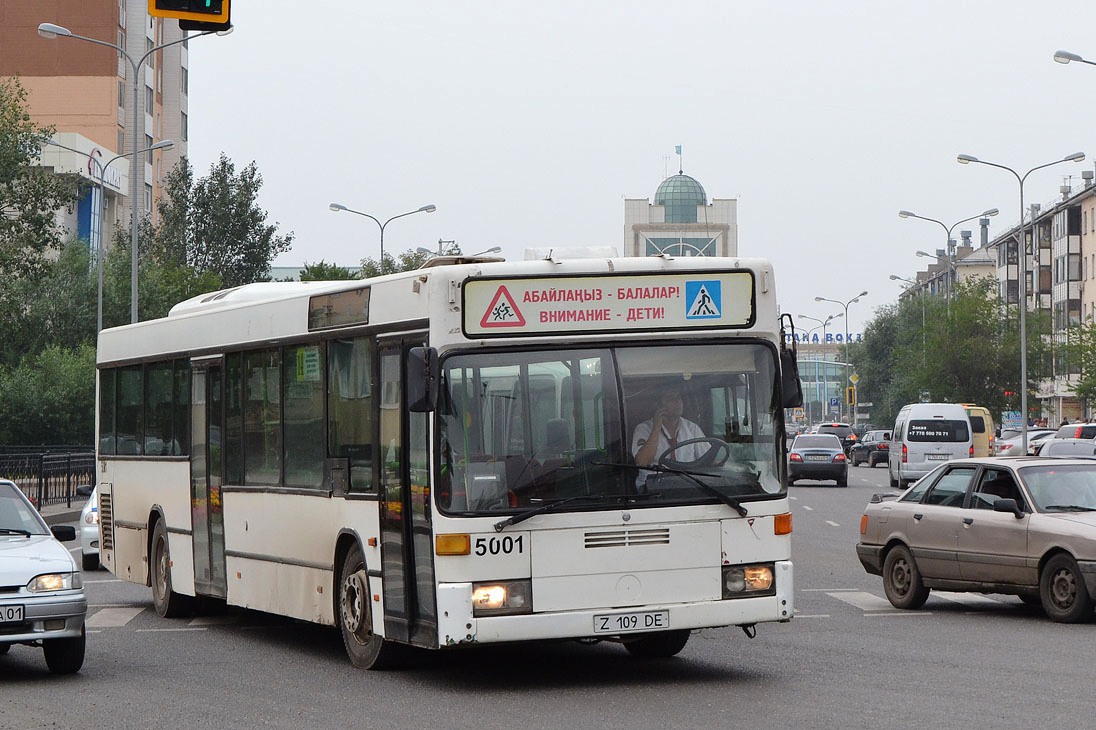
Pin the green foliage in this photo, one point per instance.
(1079, 356)
(966, 353)
(214, 225)
(323, 271)
(407, 261)
(48, 397)
(29, 194)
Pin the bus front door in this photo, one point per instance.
(206, 477)
(406, 541)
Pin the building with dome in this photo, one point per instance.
(681, 221)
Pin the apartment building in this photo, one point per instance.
(86, 91)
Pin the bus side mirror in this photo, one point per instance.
(790, 384)
(421, 376)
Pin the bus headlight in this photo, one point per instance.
(748, 581)
(502, 597)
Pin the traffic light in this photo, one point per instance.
(193, 14)
(850, 395)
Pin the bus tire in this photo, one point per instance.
(658, 645)
(355, 616)
(166, 601)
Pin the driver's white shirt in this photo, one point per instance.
(686, 431)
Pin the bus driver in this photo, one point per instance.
(669, 429)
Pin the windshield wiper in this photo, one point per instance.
(548, 507)
(707, 488)
(14, 531)
(1070, 508)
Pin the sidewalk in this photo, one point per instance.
(57, 514)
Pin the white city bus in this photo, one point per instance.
(443, 457)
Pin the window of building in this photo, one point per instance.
(149, 100)
(148, 143)
(121, 141)
(183, 126)
(185, 80)
(148, 197)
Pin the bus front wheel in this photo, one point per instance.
(365, 649)
(658, 645)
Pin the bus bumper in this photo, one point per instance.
(457, 625)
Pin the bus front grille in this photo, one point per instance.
(628, 538)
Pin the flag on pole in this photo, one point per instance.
(677, 149)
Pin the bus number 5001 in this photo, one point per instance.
(498, 545)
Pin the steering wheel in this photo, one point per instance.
(717, 455)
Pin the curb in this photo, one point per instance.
(58, 518)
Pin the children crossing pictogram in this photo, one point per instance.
(502, 311)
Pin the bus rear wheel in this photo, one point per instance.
(355, 616)
(658, 645)
(166, 601)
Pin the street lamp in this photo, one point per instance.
(912, 283)
(51, 31)
(948, 241)
(101, 171)
(424, 209)
(1022, 293)
(1066, 57)
(848, 373)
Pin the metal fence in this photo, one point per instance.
(49, 478)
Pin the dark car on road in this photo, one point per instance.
(873, 449)
(842, 431)
(818, 456)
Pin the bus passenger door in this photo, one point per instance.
(206, 477)
(406, 542)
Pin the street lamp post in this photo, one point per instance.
(51, 31)
(947, 242)
(1021, 250)
(912, 283)
(848, 366)
(1066, 57)
(424, 209)
(101, 171)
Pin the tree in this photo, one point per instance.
(49, 397)
(323, 271)
(214, 226)
(407, 261)
(30, 194)
(1079, 356)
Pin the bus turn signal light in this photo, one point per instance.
(453, 544)
(782, 524)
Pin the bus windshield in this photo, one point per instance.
(524, 429)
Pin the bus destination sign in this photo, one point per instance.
(564, 305)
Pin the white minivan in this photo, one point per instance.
(924, 435)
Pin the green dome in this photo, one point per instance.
(680, 194)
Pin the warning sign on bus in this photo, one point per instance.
(561, 305)
(502, 311)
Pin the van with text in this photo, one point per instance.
(924, 435)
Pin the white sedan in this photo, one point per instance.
(89, 527)
(44, 604)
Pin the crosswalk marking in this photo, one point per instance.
(967, 599)
(212, 620)
(863, 600)
(110, 617)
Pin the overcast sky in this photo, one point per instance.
(528, 126)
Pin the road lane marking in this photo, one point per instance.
(110, 617)
(149, 631)
(212, 620)
(831, 522)
(809, 509)
(863, 600)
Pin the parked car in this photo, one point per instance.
(842, 431)
(42, 603)
(872, 449)
(1067, 447)
(1010, 446)
(1076, 431)
(818, 456)
(89, 527)
(1020, 525)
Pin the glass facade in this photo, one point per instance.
(680, 194)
